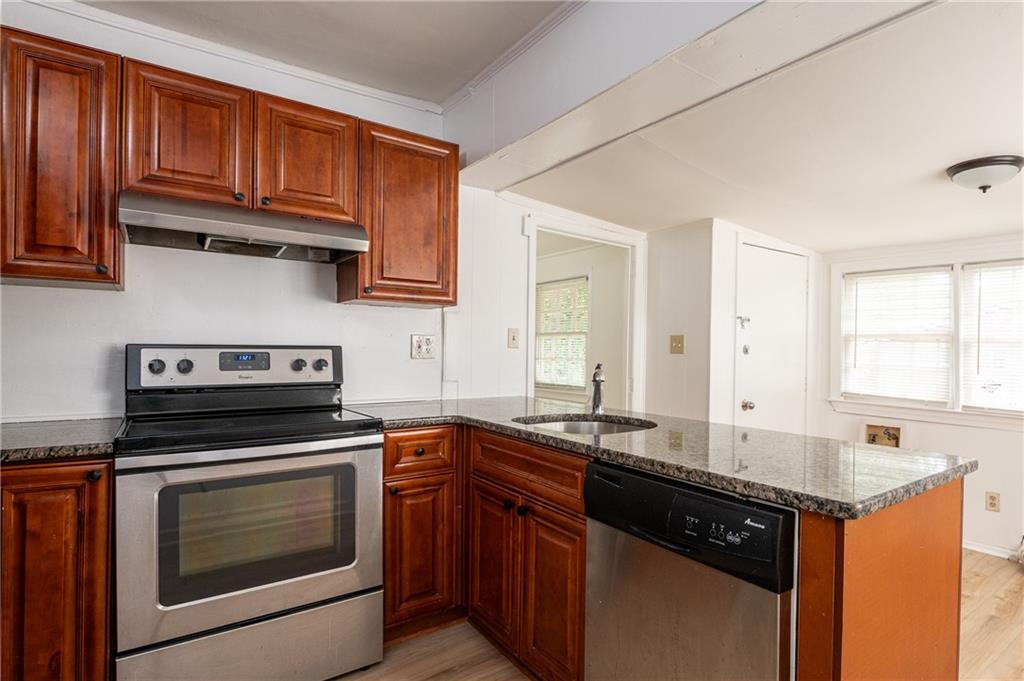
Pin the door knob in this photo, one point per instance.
(747, 405)
(509, 504)
(93, 476)
(265, 200)
(392, 491)
(239, 196)
(420, 451)
(522, 510)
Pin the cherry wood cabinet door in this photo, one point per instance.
(55, 571)
(408, 203)
(306, 159)
(60, 113)
(419, 546)
(554, 590)
(494, 562)
(186, 136)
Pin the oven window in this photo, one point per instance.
(220, 536)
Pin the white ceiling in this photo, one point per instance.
(420, 49)
(845, 149)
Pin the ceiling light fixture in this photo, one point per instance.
(985, 173)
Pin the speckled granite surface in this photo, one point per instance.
(832, 477)
(30, 441)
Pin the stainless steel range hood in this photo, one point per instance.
(200, 226)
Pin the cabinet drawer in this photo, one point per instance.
(539, 471)
(418, 450)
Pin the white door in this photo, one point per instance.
(771, 339)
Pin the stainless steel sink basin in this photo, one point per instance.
(584, 424)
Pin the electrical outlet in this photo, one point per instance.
(423, 347)
(992, 501)
(677, 344)
(513, 339)
(675, 440)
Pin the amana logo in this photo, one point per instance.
(750, 522)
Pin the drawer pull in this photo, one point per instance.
(93, 476)
(420, 451)
(508, 504)
(522, 510)
(392, 491)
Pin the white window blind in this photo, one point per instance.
(992, 335)
(563, 322)
(897, 331)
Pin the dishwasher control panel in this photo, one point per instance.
(723, 525)
(745, 538)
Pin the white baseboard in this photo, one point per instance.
(1000, 551)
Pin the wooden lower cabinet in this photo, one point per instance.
(527, 587)
(419, 546)
(55, 571)
(554, 549)
(494, 562)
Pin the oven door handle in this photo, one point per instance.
(146, 461)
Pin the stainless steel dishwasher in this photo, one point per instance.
(685, 582)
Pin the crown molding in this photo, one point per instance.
(153, 32)
(536, 34)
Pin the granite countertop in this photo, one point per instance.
(833, 477)
(34, 440)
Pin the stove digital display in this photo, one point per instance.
(245, 361)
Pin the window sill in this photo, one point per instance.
(973, 419)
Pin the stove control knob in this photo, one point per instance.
(320, 364)
(185, 366)
(298, 364)
(157, 366)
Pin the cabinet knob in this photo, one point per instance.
(420, 451)
(239, 196)
(367, 289)
(522, 510)
(265, 200)
(102, 269)
(392, 491)
(508, 504)
(93, 476)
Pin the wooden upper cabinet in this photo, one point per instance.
(60, 109)
(55, 571)
(408, 203)
(186, 136)
(306, 159)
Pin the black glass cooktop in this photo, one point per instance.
(140, 435)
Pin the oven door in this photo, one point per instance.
(201, 545)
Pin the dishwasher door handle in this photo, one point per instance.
(663, 543)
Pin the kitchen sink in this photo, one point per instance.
(586, 424)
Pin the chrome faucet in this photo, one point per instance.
(597, 403)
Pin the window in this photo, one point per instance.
(992, 336)
(563, 322)
(904, 338)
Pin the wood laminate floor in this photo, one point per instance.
(991, 637)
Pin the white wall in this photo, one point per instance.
(590, 50)
(608, 270)
(63, 349)
(62, 353)
(679, 302)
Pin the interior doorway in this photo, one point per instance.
(581, 318)
(585, 290)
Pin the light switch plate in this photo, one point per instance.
(424, 347)
(513, 339)
(677, 344)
